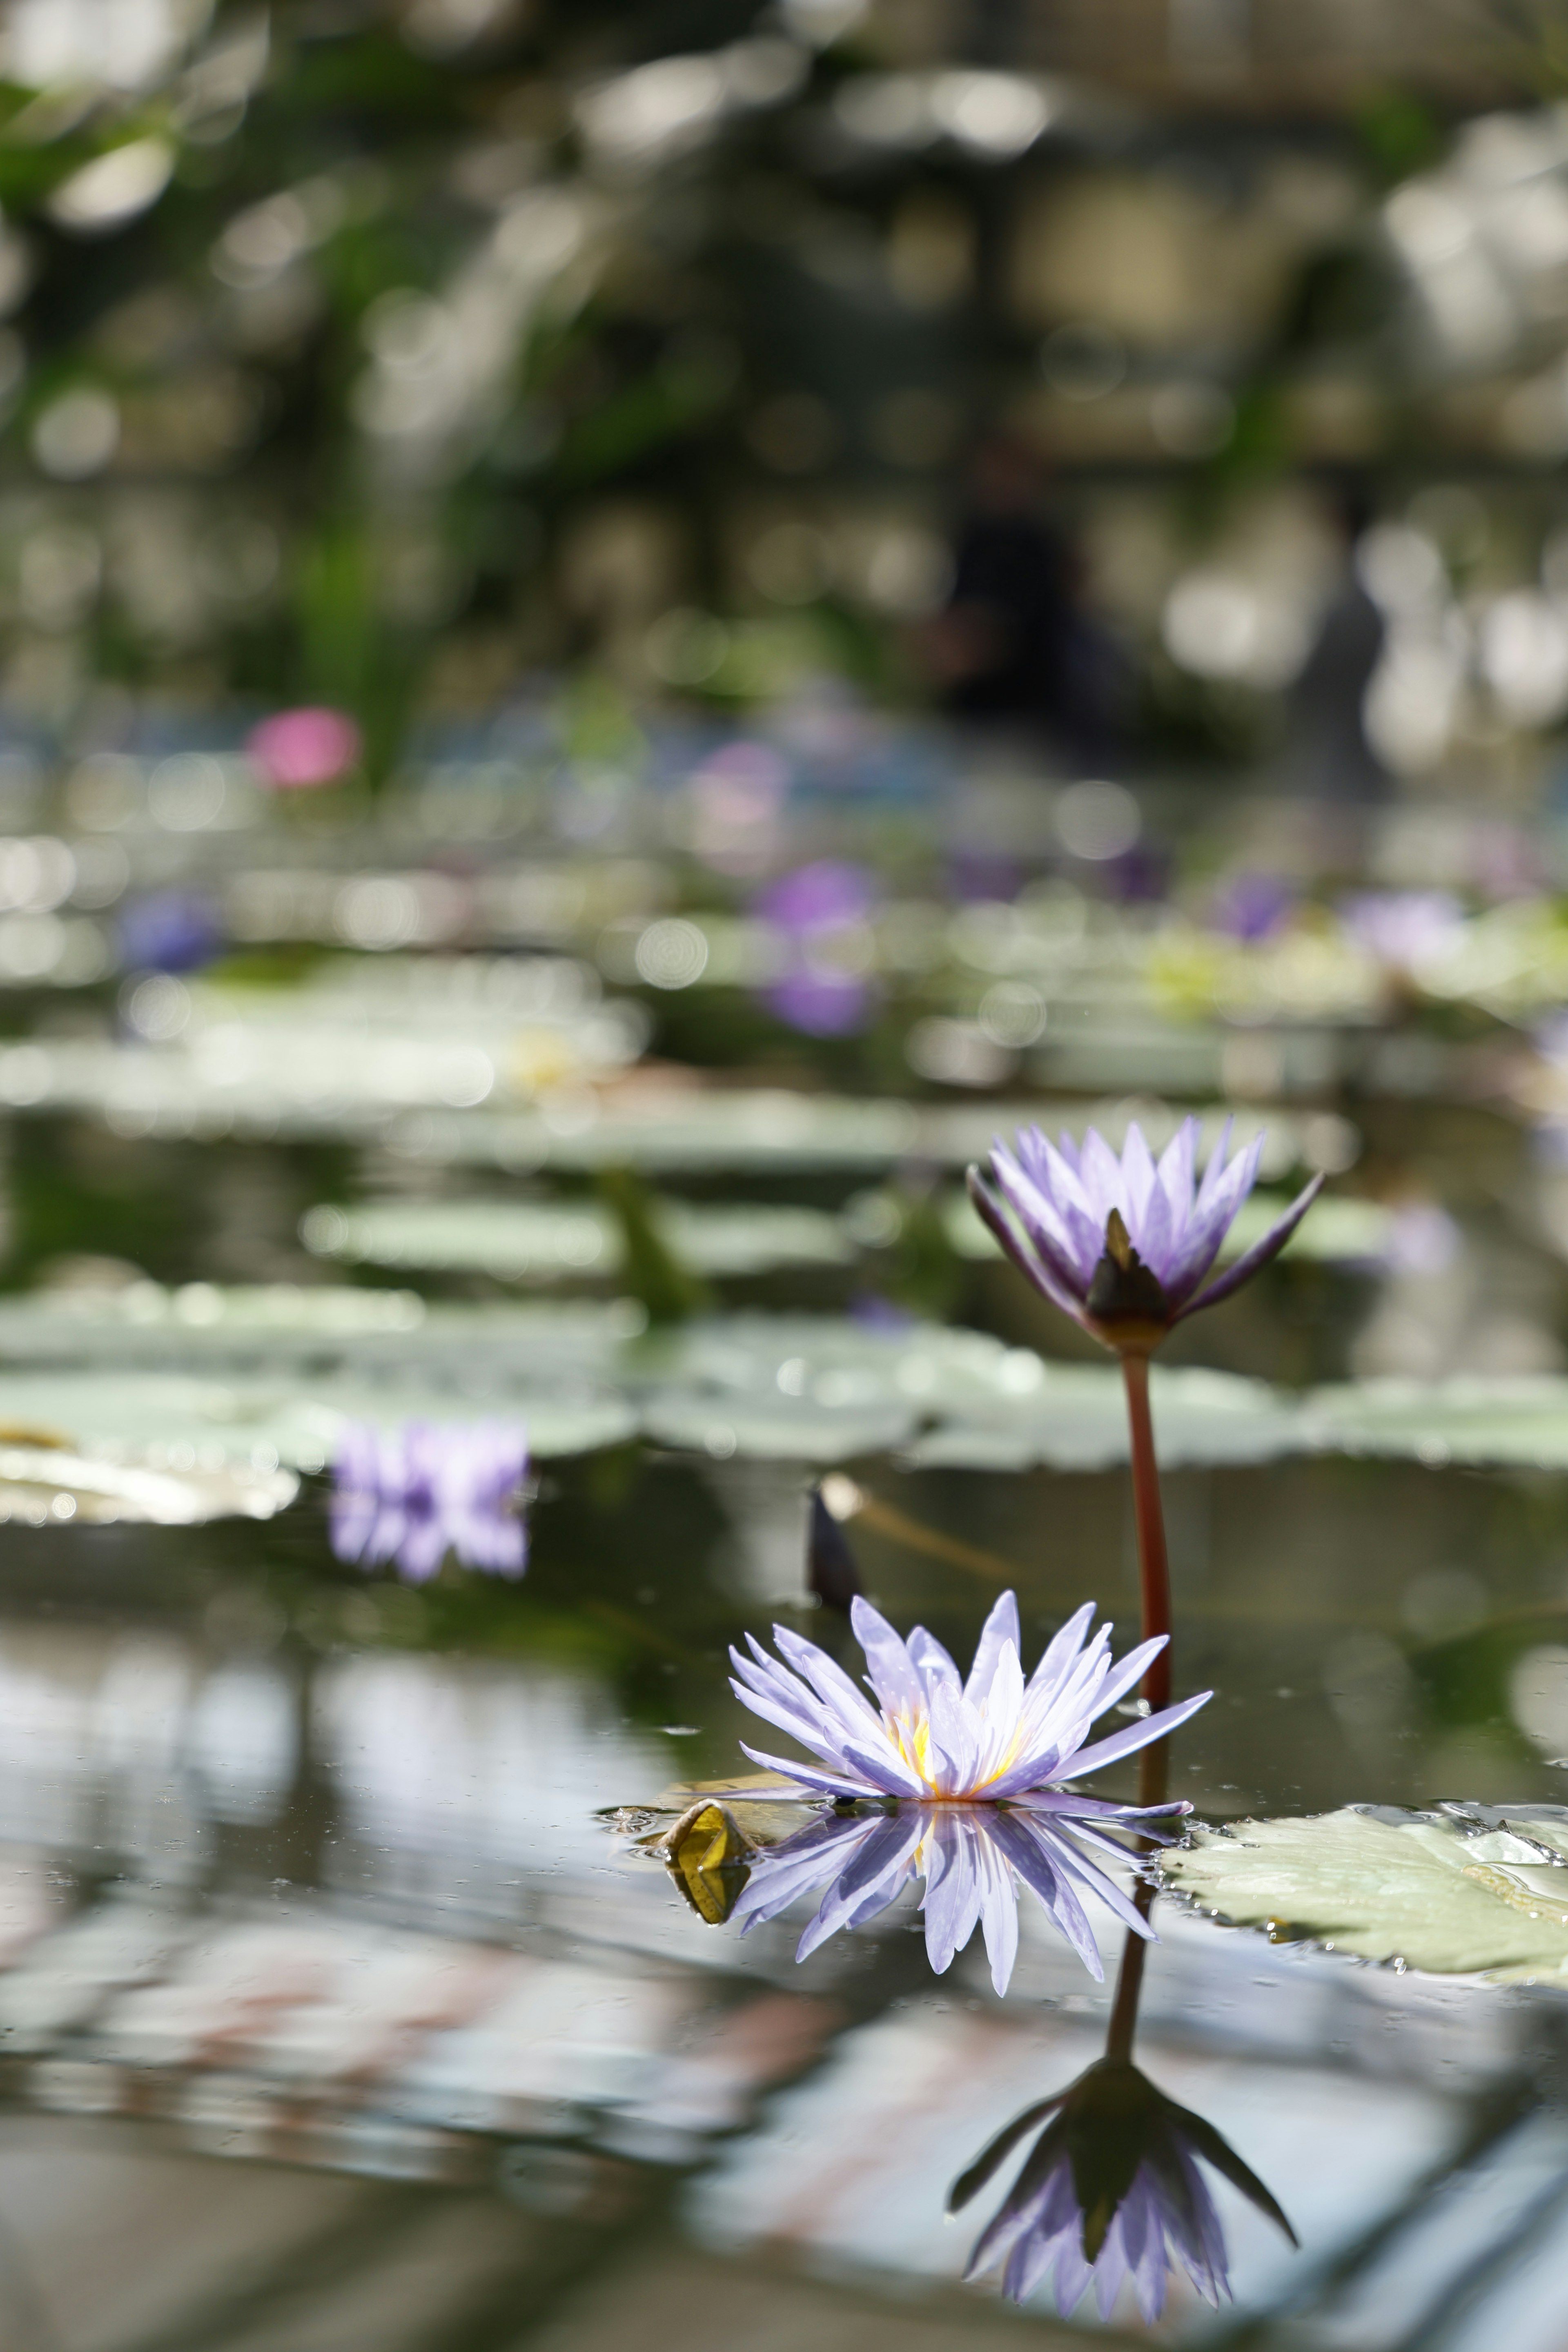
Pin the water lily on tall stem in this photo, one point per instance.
(1126, 1246)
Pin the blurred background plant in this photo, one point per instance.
(381, 355)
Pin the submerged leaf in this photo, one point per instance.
(1458, 1893)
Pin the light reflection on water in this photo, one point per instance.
(374, 1932)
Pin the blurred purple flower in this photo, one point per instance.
(1252, 906)
(1138, 875)
(1123, 1246)
(415, 1494)
(820, 1004)
(938, 1738)
(297, 750)
(811, 911)
(872, 1312)
(170, 930)
(971, 1857)
(1403, 928)
(819, 898)
(1111, 2191)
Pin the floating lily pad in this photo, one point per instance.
(230, 1371)
(557, 1423)
(453, 1076)
(797, 1431)
(241, 1427)
(1337, 1232)
(50, 1486)
(519, 1241)
(1074, 1417)
(1460, 1894)
(800, 1388)
(162, 1421)
(285, 1366)
(1523, 1421)
(282, 1326)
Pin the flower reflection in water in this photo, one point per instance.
(412, 1494)
(971, 1857)
(1112, 2191)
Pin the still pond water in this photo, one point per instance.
(345, 2003)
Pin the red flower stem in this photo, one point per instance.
(1154, 1593)
(1153, 1574)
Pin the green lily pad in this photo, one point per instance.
(285, 1366)
(519, 1241)
(1460, 1893)
(282, 1327)
(1074, 1417)
(1337, 1231)
(1477, 1422)
(49, 1486)
(241, 1425)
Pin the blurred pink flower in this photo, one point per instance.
(297, 750)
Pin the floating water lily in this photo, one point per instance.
(1125, 1248)
(1111, 2191)
(936, 1739)
(415, 1494)
(981, 1770)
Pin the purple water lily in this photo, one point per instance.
(971, 1857)
(1251, 907)
(813, 911)
(415, 1494)
(170, 930)
(1124, 1246)
(1111, 2191)
(934, 1737)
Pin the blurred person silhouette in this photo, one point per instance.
(1329, 757)
(1013, 647)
